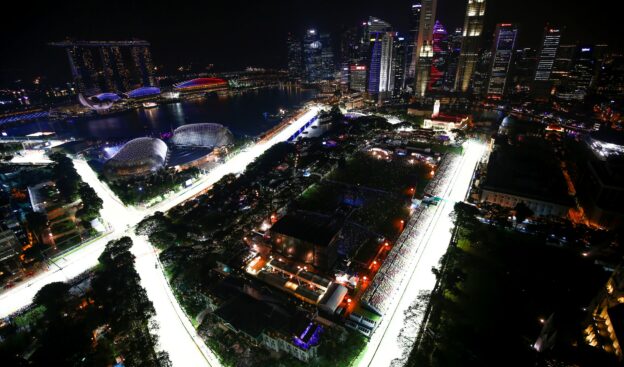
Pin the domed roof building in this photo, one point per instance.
(506, 125)
(200, 84)
(143, 92)
(137, 157)
(202, 135)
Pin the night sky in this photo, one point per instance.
(234, 34)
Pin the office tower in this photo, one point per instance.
(353, 49)
(439, 63)
(295, 57)
(523, 70)
(454, 42)
(414, 26)
(502, 54)
(582, 73)
(328, 65)
(348, 46)
(381, 73)
(481, 73)
(399, 50)
(543, 80)
(312, 56)
(601, 52)
(468, 57)
(108, 71)
(424, 46)
(357, 78)
(563, 63)
(610, 80)
(547, 54)
(376, 25)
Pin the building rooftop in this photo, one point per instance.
(252, 316)
(313, 228)
(181, 156)
(529, 170)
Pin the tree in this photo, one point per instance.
(91, 203)
(37, 222)
(53, 297)
(464, 214)
(522, 212)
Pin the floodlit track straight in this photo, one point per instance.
(383, 347)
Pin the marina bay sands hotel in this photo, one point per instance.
(108, 66)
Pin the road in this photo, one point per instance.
(432, 243)
(176, 334)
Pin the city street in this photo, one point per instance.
(383, 347)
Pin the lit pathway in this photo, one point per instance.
(433, 242)
(176, 335)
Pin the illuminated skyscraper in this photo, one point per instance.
(468, 57)
(312, 56)
(328, 65)
(454, 42)
(439, 64)
(399, 66)
(424, 46)
(563, 62)
(295, 57)
(318, 58)
(547, 54)
(502, 54)
(357, 78)
(413, 39)
(381, 72)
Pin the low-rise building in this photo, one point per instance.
(526, 173)
(307, 238)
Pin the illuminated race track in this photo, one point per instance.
(176, 334)
(432, 243)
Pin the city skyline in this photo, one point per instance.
(323, 184)
(178, 29)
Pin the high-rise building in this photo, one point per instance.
(454, 42)
(318, 57)
(312, 56)
(328, 64)
(110, 70)
(376, 25)
(543, 81)
(414, 26)
(399, 60)
(353, 49)
(481, 74)
(357, 78)
(424, 46)
(295, 57)
(469, 54)
(610, 81)
(576, 83)
(522, 71)
(439, 63)
(502, 54)
(563, 63)
(547, 54)
(381, 72)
